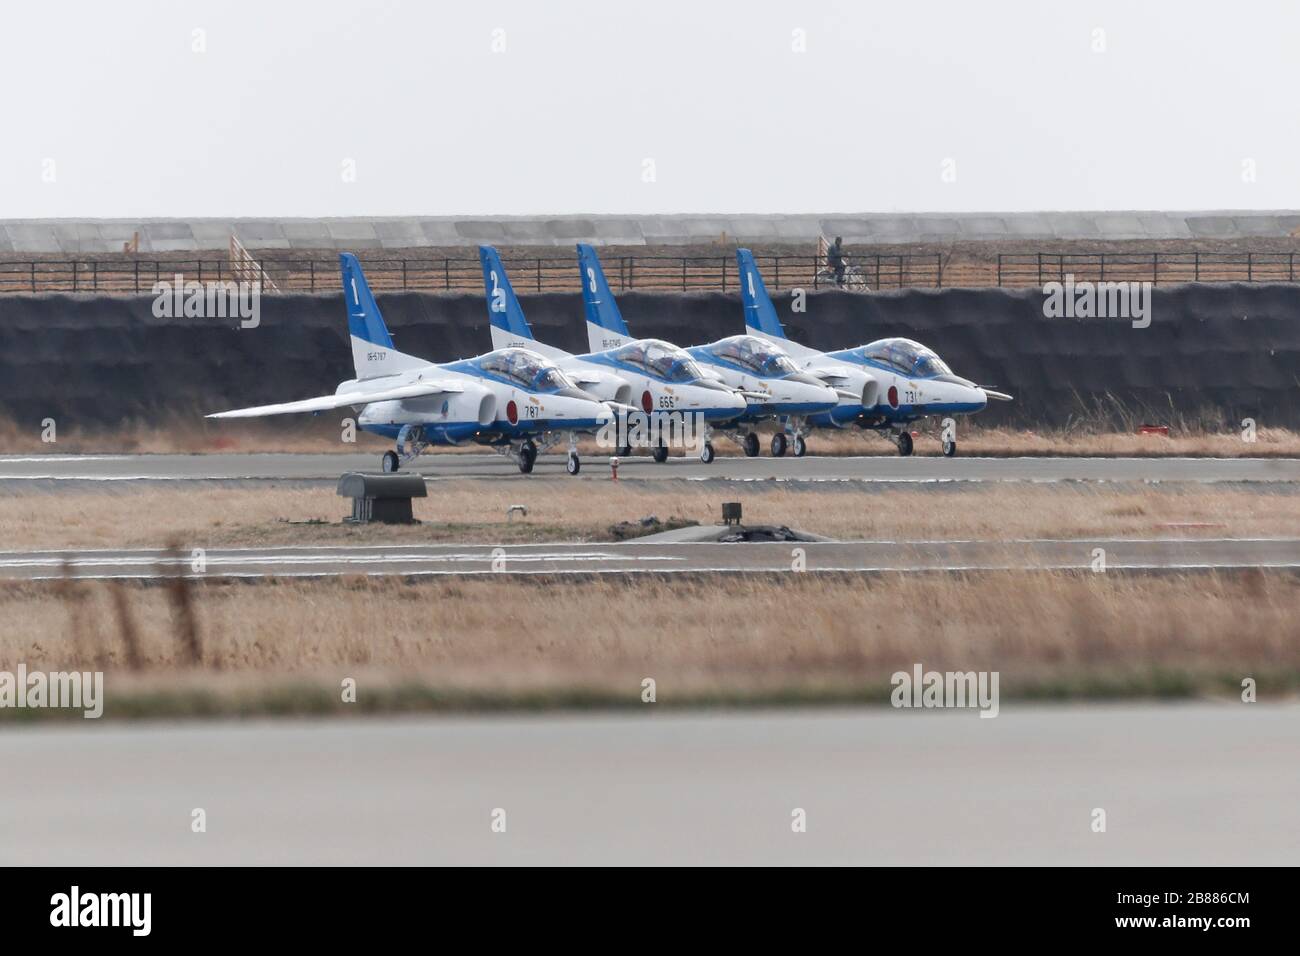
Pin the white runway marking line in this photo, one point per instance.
(925, 471)
(728, 569)
(348, 553)
(61, 459)
(212, 559)
(344, 551)
(628, 559)
(154, 478)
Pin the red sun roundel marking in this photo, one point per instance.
(647, 401)
(512, 412)
(893, 397)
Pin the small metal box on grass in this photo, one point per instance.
(381, 497)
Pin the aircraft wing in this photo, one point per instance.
(344, 399)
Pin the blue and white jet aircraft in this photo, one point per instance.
(903, 380)
(512, 399)
(646, 373)
(761, 372)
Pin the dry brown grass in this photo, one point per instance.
(201, 515)
(699, 638)
(190, 435)
(1050, 442)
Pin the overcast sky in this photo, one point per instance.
(331, 109)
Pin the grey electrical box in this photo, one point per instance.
(731, 512)
(382, 497)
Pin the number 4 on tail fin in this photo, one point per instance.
(760, 313)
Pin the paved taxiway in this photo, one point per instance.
(1210, 784)
(1156, 554)
(18, 468)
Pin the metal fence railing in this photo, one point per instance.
(652, 273)
(535, 274)
(1034, 269)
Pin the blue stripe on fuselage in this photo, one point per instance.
(767, 410)
(838, 416)
(441, 433)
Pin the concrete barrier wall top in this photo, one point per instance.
(81, 237)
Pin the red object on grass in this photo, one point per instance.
(1153, 430)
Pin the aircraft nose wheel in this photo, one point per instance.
(624, 451)
(778, 444)
(949, 449)
(904, 442)
(706, 453)
(573, 465)
(390, 462)
(661, 453)
(800, 446)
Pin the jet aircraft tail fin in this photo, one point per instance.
(760, 313)
(509, 326)
(605, 326)
(373, 354)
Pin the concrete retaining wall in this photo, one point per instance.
(359, 234)
(1231, 350)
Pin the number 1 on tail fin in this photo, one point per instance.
(373, 354)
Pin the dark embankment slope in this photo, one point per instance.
(1220, 352)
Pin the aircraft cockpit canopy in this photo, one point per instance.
(756, 355)
(527, 369)
(660, 360)
(906, 357)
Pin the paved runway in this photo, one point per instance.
(18, 468)
(1207, 784)
(675, 558)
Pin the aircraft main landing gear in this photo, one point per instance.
(750, 444)
(949, 447)
(411, 443)
(800, 446)
(706, 453)
(661, 453)
(778, 444)
(904, 442)
(527, 456)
